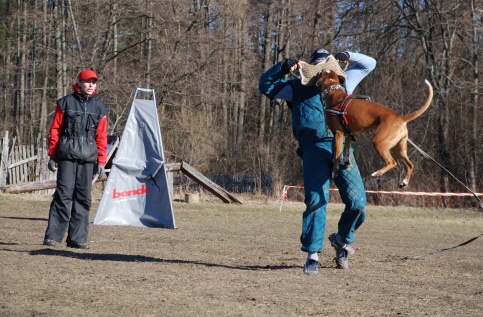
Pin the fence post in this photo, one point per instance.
(43, 159)
(4, 161)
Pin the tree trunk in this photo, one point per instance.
(267, 63)
(64, 48)
(472, 172)
(242, 79)
(46, 57)
(224, 91)
(149, 45)
(22, 53)
(76, 35)
(58, 25)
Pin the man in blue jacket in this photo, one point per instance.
(315, 149)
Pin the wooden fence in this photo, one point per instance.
(24, 169)
(21, 164)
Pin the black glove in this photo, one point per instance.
(287, 64)
(342, 57)
(299, 152)
(101, 170)
(52, 165)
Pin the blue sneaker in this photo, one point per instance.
(342, 251)
(311, 266)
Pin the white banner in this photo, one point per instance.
(136, 192)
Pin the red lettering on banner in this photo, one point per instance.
(128, 193)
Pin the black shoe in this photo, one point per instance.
(50, 242)
(78, 245)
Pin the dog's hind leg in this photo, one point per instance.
(383, 149)
(401, 153)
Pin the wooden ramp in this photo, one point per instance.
(206, 183)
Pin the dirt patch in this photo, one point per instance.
(242, 260)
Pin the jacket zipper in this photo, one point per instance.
(84, 126)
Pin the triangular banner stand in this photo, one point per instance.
(136, 192)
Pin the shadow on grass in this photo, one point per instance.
(25, 218)
(140, 258)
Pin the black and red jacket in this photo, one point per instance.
(79, 129)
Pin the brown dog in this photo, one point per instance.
(346, 116)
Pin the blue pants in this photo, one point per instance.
(317, 166)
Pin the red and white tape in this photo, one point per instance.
(286, 187)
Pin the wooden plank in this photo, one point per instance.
(24, 161)
(38, 170)
(207, 183)
(44, 158)
(29, 187)
(4, 161)
(15, 179)
(108, 158)
(32, 169)
(170, 180)
(233, 198)
(173, 167)
(228, 194)
(11, 154)
(18, 170)
(112, 149)
(10, 170)
(25, 169)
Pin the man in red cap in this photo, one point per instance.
(77, 149)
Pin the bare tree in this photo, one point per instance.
(266, 27)
(204, 59)
(475, 27)
(46, 70)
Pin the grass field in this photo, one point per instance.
(242, 260)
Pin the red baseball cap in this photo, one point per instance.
(87, 74)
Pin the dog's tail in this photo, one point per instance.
(420, 111)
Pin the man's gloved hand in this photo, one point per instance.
(342, 57)
(52, 165)
(287, 64)
(101, 170)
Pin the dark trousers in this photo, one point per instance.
(71, 202)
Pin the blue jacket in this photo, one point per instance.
(308, 120)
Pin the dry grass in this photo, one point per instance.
(242, 260)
